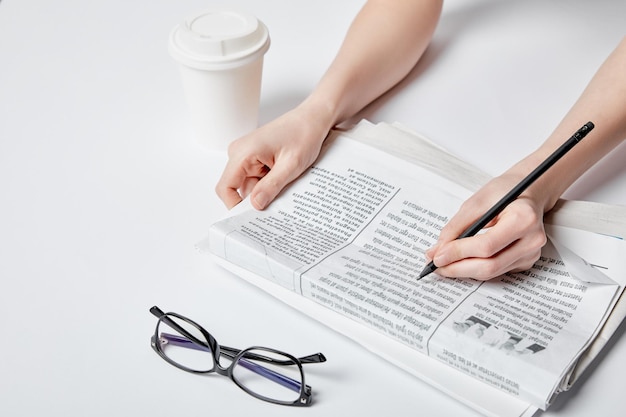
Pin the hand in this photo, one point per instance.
(511, 242)
(263, 162)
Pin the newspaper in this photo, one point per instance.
(350, 235)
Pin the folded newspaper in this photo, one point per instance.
(345, 244)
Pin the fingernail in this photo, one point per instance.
(440, 259)
(260, 201)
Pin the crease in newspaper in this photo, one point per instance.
(579, 268)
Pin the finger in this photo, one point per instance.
(459, 223)
(229, 196)
(247, 186)
(471, 210)
(237, 180)
(518, 221)
(430, 253)
(509, 260)
(273, 183)
(501, 249)
(451, 231)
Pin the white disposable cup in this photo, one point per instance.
(220, 52)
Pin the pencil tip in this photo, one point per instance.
(427, 270)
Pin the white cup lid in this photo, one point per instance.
(219, 39)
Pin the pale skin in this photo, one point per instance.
(263, 162)
(516, 236)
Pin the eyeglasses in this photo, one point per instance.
(264, 373)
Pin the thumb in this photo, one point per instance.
(268, 187)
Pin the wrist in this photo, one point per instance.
(546, 190)
(320, 110)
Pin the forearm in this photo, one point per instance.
(603, 102)
(383, 44)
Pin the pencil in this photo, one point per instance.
(518, 189)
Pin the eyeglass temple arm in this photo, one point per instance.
(314, 358)
(230, 352)
(281, 379)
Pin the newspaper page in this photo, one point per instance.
(350, 234)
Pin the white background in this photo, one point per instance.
(104, 193)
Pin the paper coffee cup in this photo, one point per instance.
(220, 52)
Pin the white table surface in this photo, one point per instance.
(104, 193)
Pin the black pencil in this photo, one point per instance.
(518, 189)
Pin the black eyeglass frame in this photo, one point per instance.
(235, 355)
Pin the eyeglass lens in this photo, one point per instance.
(188, 348)
(280, 380)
